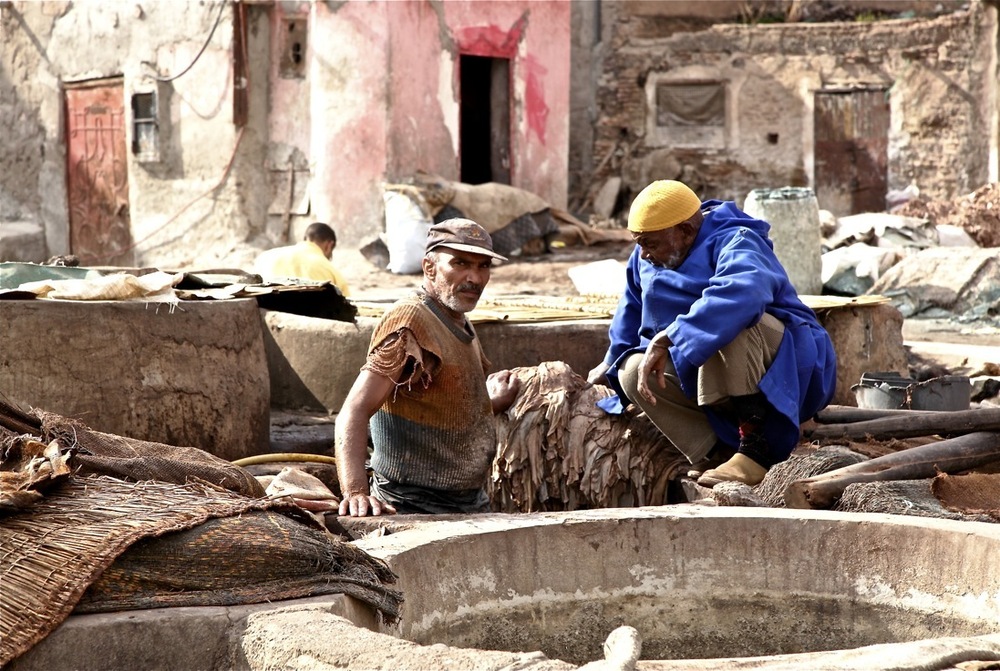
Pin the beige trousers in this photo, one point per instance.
(735, 370)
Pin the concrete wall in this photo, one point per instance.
(191, 375)
(940, 72)
(313, 362)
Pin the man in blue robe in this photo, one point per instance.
(711, 340)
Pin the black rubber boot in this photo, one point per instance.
(751, 412)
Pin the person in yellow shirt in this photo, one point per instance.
(307, 260)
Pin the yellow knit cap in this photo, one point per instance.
(660, 205)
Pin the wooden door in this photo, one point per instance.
(96, 169)
(851, 150)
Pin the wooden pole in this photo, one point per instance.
(911, 424)
(845, 414)
(947, 456)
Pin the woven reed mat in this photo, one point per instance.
(97, 453)
(559, 451)
(522, 308)
(899, 497)
(56, 549)
(802, 464)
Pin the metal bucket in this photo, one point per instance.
(892, 391)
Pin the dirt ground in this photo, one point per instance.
(548, 275)
(542, 275)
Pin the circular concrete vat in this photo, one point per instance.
(770, 587)
(695, 582)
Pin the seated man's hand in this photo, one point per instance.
(599, 374)
(654, 363)
(363, 505)
(503, 388)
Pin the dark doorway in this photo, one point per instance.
(851, 150)
(485, 120)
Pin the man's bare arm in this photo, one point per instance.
(367, 395)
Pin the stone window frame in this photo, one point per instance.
(696, 137)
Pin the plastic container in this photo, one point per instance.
(892, 391)
(605, 278)
(793, 213)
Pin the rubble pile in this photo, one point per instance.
(978, 213)
(931, 258)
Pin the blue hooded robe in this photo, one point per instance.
(730, 277)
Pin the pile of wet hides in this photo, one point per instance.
(558, 451)
(72, 538)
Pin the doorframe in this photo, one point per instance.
(477, 46)
(809, 128)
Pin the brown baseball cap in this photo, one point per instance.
(464, 235)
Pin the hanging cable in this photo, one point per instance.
(222, 180)
(229, 164)
(218, 18)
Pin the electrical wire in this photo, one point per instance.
(229, 164)
(218, 18)
(225, 175)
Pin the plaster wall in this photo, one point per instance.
(377, 99)
(385, 84)
(200, 194)
(939, 72)
(348, 102)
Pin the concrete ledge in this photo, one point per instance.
(314, 362)
(524, 591)
(694, 581)
(168, 639)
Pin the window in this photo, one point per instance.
(687, 109)
(145, 129)
(691, 104)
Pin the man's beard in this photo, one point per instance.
(459, 303)
(670, 263)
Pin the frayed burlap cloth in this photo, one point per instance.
(190, 529)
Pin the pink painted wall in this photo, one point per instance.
(347, 70)
(424, 93)
(385, 98)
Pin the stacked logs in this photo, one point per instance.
(969, 439)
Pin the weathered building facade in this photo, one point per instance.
(157, 132)
(853, 104)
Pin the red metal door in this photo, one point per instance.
(851, 150)
(100, 233)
